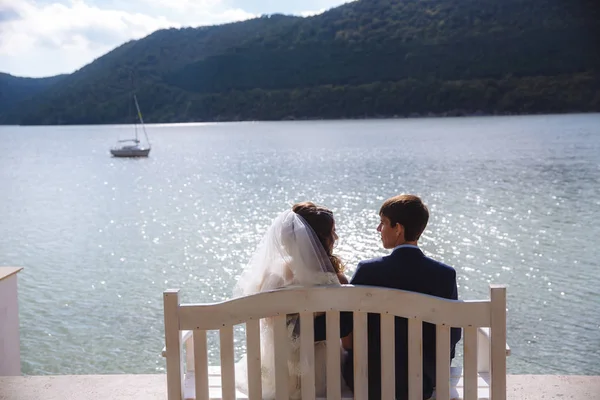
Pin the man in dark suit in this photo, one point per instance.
(403, 220)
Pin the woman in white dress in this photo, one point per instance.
(296, 251)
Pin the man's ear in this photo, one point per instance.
(399, 229)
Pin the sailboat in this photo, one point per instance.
(136, 149)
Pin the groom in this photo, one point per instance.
(403, 219)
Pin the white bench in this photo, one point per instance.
(484, 339)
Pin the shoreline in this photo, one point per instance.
(451, 115)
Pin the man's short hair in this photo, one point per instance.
(409, 211)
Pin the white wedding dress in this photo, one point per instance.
(289, 254)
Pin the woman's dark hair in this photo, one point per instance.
(321, 221)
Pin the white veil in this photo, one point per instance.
(290, 254)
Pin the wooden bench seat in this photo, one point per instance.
(483, 376)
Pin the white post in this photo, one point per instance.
(498, 342)
(173, 345)
(10, 351)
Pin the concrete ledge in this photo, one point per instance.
(84, 387)
(565, 387)
(153, 387)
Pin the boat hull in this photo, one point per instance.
(130, 152)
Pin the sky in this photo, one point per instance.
(49, 37)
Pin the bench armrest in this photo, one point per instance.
(483, 350)
(185, 336)
(485, 334)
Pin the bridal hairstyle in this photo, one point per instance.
(320, 219)
(409, 211)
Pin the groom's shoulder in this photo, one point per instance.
(372, 262)
(372, 265)
(367, 269)
(439, 265)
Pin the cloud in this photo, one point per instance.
(312, 13)
(60, 24)
(297, 7)
(47, 39)
(197, 12)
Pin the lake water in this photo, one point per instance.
(513, 200)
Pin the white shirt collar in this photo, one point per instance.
(405, 245)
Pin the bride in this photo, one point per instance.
(295, 251)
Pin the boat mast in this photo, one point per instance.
(137, 106)
(135, 128)
(131, 77)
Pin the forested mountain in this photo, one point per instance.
(14, 89)
(368, 58)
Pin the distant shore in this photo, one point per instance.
(449, 114)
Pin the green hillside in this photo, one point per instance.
(14, 89)
(368, 58)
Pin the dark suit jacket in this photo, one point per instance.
(406, 268)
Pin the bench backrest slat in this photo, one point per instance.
(442, 356)
(307, 355)
(254, 359)
(334, 386)
(388, 359)
(415, 359)
(227, 363)
(282, 355)
(470, 362)
(361, 363)
(201, 365)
